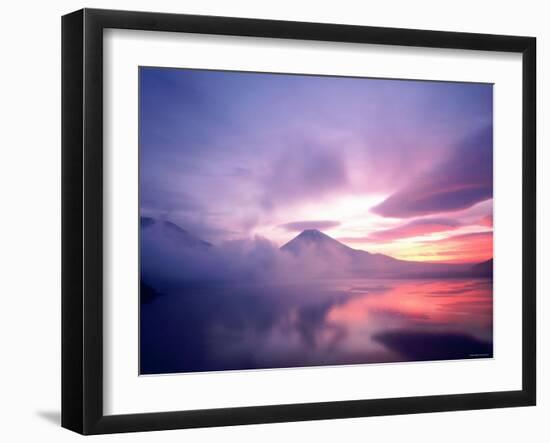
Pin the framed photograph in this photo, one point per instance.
(269, 221)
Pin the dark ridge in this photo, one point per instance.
(146, 221)
(483, 269)
(147, 293)
(189, 238)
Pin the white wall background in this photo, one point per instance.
(30, 219)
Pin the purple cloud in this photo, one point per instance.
(465, 179)
(299, 226)
(303, 173)
(229, 154)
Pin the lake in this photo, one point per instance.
(213, 327)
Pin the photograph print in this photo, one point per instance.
(291, 220)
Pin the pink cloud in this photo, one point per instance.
(415, 228)
(466, 248)
(486, 221)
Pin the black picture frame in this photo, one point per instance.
(82, 218)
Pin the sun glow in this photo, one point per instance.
(349, 220)
(352, 213)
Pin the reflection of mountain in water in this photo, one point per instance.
(331, 322)
(314, 301)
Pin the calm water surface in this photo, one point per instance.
(206, 327)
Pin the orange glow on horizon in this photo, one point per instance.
(461, 237)
(466, 248)
(462, 248)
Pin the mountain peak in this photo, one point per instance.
(312, 233)
(171, 232)
(313, 238)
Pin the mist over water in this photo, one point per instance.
(211, 327)
(251, 305)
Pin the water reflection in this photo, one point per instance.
(233, 327)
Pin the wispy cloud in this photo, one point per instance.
(300, 173)
(415, 228)
(460, 182)
(468, 248)
(299, 226)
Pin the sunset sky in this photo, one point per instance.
(399, 167)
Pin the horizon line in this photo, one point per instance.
(331, 238)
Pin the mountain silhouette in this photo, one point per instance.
(166, 248)
(484, 269)
(312, 244)
(165, 231)
(312, 238)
